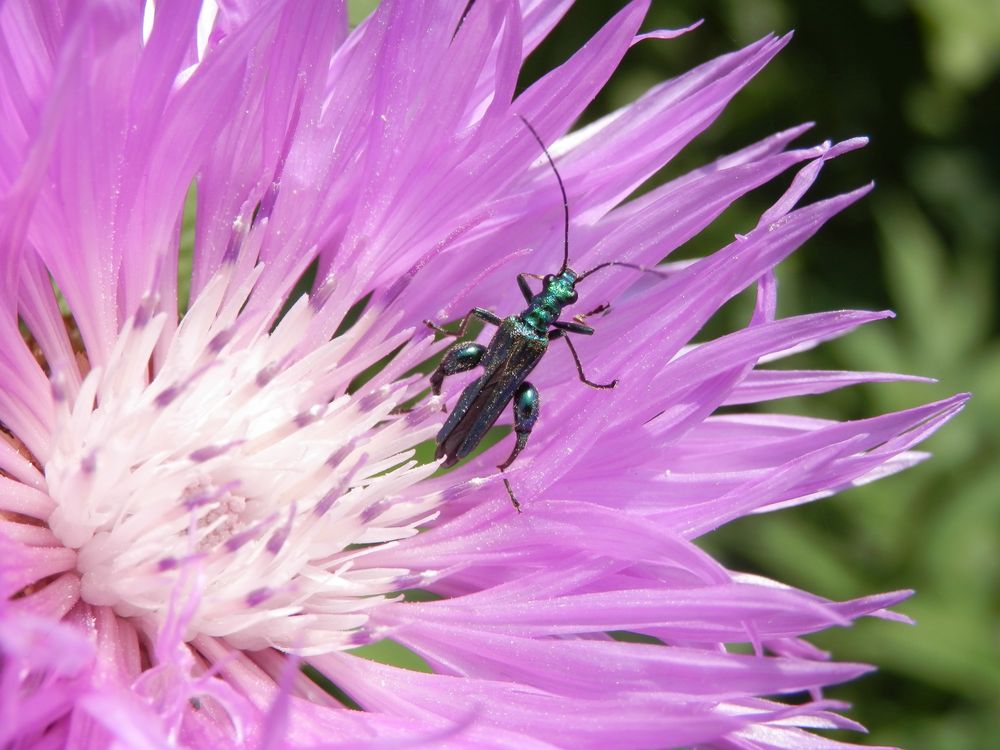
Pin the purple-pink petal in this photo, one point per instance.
(193, 506)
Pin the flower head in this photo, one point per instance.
(192, 505)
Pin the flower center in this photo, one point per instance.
(244, 461)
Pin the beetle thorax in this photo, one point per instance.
(558, 291)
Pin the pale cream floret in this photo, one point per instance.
(258, 474)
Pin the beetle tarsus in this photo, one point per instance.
(513, 499)
(602, 308)
(579, 369)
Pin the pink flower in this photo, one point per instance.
(193, 505)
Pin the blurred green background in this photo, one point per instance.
(920, 77)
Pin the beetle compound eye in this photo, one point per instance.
(547, 279)
(571, 297)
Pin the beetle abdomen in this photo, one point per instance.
(510, 356)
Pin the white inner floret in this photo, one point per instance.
(244, 462)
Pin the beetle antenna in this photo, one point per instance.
(562, 189)
(610, 263)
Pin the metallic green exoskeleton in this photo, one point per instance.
(513, 352)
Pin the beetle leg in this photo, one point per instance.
(522, 282)
(461, 357)
(525, 413)
(560, 334)
(603, 307)
(513, 499)
(484, 315)
(577, 325)
(569, 327)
